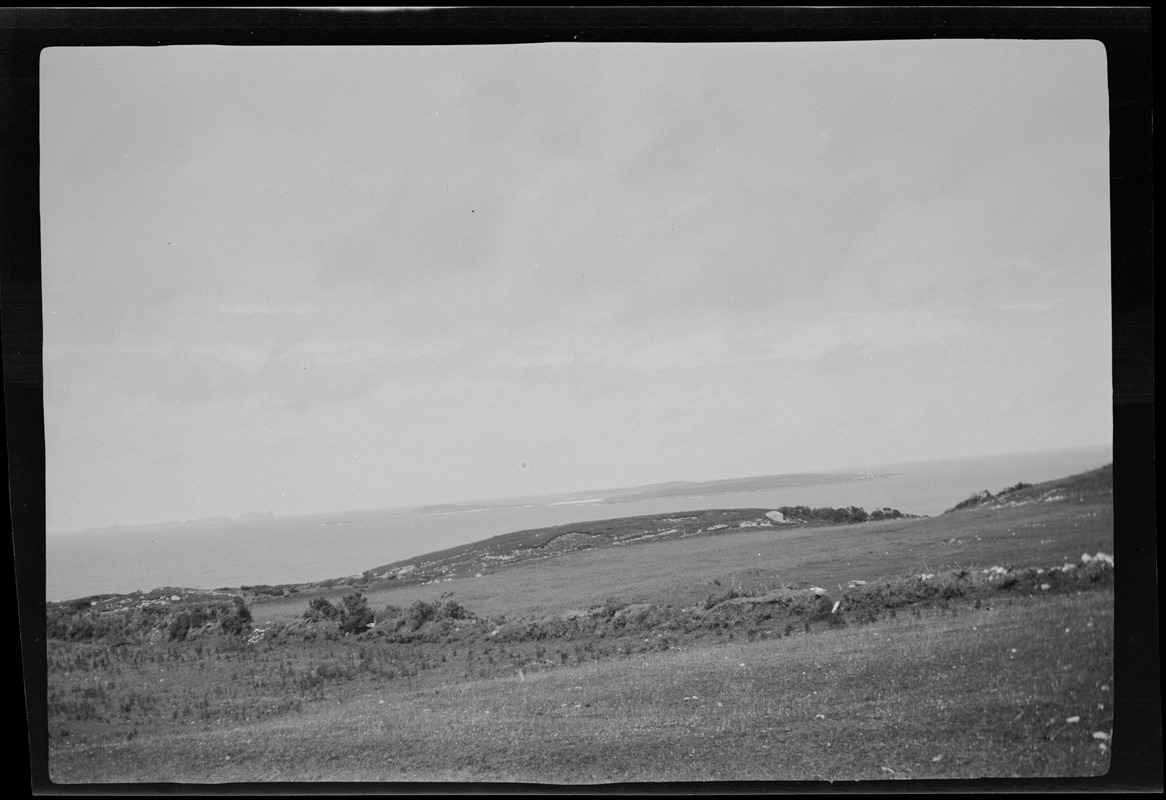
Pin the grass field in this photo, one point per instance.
(705, 658)
(1018, 690)
(683, 572)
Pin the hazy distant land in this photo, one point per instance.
(605, 496)
(345, 542)
(660, 490)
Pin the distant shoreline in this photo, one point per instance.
(664, 491)
(852, 473)
(302, 549)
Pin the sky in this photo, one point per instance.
(311, 279)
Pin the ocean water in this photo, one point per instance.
(320, 546)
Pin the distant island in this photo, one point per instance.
(657, 491)
(250, 516)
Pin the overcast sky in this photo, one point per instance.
(313, 279)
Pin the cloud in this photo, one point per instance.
(426, 262)
(265, 309)
(679, 351)
(533, 357)
(870, 331)
(1034, 305)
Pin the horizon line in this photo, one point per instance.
(267, 515)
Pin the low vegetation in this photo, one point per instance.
(539, 544)
(1093, 485)
(851, 515)
(989, 667)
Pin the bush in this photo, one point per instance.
(975, 500)
(420, 612)
(238, 621)
(851, 515)
(387, 613)
(355, 615)
(277, 591)
(75, 627)
(454, 610)
(329, 670)
(320, 609)
(184, 621)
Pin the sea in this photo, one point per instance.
(314, 547)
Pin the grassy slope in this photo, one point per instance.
(977, 693)
(939, 694)
(683, 572)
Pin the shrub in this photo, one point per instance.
(454, 610)
(355, 615)
(329, 670)
(611, 605)
(183, 621)
(850, 515)
(75, 627)
(420, 612)
(277, 591)
(977, 499)
(388, 612)
(320, 609)
(238, 621)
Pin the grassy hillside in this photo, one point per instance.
(977, 643)
(1021, 690)
(681, 570)
(1095, 486)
